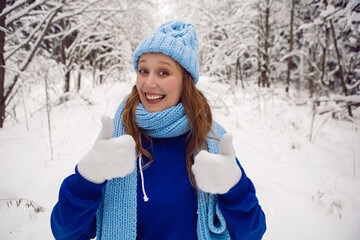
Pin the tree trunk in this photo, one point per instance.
(265, 67)
(291, 46)
(79, 78)
(323, 57)
(259, 60)
(2, 65)
(338, 55)
(64, 45)
(239, 73)
(311, 71)
(67, 81)
(341, 73)
(101, 77)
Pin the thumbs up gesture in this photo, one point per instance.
(217, 173)
(109, 157)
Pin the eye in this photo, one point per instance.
(164, 73)
(143, 71)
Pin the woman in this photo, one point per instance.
(188, 183)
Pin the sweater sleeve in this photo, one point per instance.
(73, 216)
(240, 207)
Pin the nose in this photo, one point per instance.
(150, 81)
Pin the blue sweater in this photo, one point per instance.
(170, 212)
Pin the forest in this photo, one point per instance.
(297, 45)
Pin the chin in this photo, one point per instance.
(153, 109)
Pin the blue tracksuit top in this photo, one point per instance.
(170, 213)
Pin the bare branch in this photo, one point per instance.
(28, 203)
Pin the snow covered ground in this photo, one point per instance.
(308, 189)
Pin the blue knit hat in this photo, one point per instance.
(176, 39)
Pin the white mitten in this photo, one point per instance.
(217, 173)
(109, 157)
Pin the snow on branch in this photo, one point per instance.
(336, 103)
(305, 26)
(9, 9)
(330, 10)
(80, 11)
(29, 38)
(4, 30)
(351, 14)
(111, 54)
(352, 86)
(23, 12)
(108, 10)
(351, 99)
(291, 54)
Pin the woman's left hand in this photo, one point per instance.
(217, 173)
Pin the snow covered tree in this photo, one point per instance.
(326, 44)
(101, 40)
(349, 34)
(313, 42)
(81, 35)
(226, 35)
(271, 21)
(23, 37)
(263, 42)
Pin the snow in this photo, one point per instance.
(308, 189)
(329, 11)
(352, 15)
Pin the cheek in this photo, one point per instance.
(172, 87)
(179, 90)
(139, 84)
(174, 90)
(179, 86)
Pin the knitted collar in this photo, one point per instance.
(117, 213)
(171, 122)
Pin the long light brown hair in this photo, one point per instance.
(197, 110)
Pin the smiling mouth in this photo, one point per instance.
(154, 97)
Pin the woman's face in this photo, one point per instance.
(159, 81)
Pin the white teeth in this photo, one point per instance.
(154, 97)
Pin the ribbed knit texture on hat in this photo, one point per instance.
(176, 39)
(117, 213)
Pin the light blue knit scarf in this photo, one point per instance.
(117, 216)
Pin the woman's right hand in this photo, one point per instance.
(109, 157)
